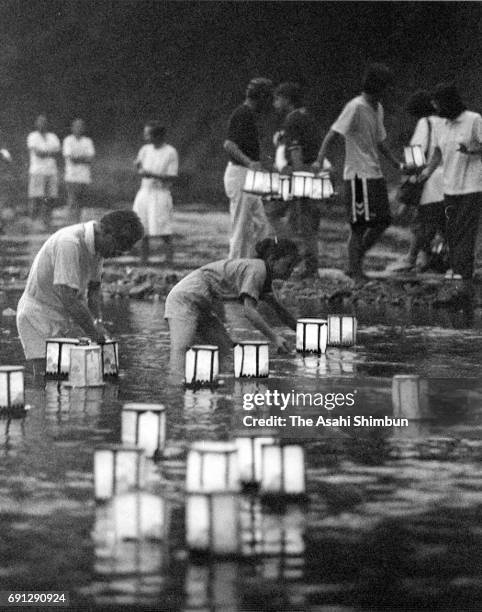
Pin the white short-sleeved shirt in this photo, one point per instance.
(68, 257)
(462, 173)
(77, 147)
(433, 190)
(162, 160)
(47, 143)
(363, 129)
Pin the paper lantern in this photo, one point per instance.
(144, 425)
(251, 359)
(414, 156)
(85, 366)
(212, 523)
(285, 187)
(260, 182)
(211, 586)
(57, 353)
(11, 387)
(117, 469)
(311, 335)
(341, 330)
(282, 469)
(322, 188)
(250, 457)
(110, 358)
(202, 365)
(410, 396)
(211, 467)
(139, 516)
(309, 185)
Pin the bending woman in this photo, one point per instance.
(195, 309)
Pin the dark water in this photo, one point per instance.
(393, 517)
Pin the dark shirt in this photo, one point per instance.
(242, 130)
(301, 131)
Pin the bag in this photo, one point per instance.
(410, 191)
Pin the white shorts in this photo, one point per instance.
(155, 209)
(43, 186)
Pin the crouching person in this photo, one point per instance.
(195, 309)
(63, 285)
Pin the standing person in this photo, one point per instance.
(157, 163)
(458, 145)
(366, 198)
(301, 139)
(430, 218)
(63, 285)
(249, 223)
(194, 307)
(43, 177)
(79, 152)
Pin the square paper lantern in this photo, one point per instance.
(341, 330)
(250, 457)
(57, 353)
(139, 515)
(212, 523)
(414, 156)
(302, 184)
(212, 466)
(202, 365)
(311, 335)
(322, 188)
(251, 359)
(410, 396)
(282, 469)
(110, 358)
(117, 469)
(11, 387)
(144, 425)
(285, 187)
(260, 182)
(85, 366)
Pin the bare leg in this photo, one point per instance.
(212, 331)
(145, 249)
(183, 332)
(38, 367)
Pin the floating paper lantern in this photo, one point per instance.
(117, 469)
(311, 335)
(250, 457)
(341, 330)
(11, 387)
(410, 396)
(212, 586)
(212, 523)
(144, 425)
(85, 366)
(251, 359)
(414, 156)
(139, 516)
(261, 183)
(202, 365)
(309, 185)
(57, 353)
(282, 469)
(110, 358)
(212, 466)
(285, 187)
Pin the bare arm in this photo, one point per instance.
(234, 151)
(326, 145)
(258, 321)
(432, 165)
(79, 312)
(396, 163)
(284, 314)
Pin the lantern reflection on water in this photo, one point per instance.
(144, 425)
(202, 365)
(282, 469)
(117, 469)
(211, 586)
(341, 330)
(251, 359)
(57, 354)
(110, 358)
(250, 456)
(11, 387)
(212, 523)
(212, 466)
(311, 335)
(410, 396)
(139, 515)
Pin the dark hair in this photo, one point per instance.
(420, 104)
(448, 97)
(158, 131)
(259, 89)
(275, 249)
(124, 225)
(377, 78)
(290, 91)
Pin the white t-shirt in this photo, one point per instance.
(462, 173)
(363, 129)
(433, 190)
(163, 160)
(77, 147)
(68, 257)
(46, 143)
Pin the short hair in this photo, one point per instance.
(269, 247)
(448, 97)
(377, 78)
(420, 104)
(290, 91)
(259, 88)
(124, 225)
(158, 130)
